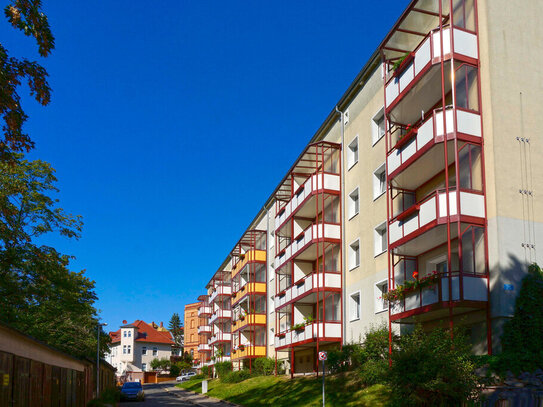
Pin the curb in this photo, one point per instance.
(213, 399)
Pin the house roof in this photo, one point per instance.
(144, 333)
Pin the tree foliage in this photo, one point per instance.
(26, 16)
(176, 329)
(521, 341)
(39, 295)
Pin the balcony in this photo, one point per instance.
(249, 320)
(204, 311)
(424, 62)
(304, 247)
(420, 152)
(220, 315)
(249, 352)
(204, 347)
(421, 227)
(220, 337)
(250, 288)
(315, 184)
(323, 331)
(307, 287)
(204, 330)
(249, 256)
(220, 291)
(469, 293)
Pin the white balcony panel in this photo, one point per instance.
(392, 91)
(437, 42)
(427, 212)
(455, 288)
(406, 77)
(220, 314)
(222, 337)
(422, 56)
(472, 204)
(465, 43)
(475, 288)
(331, 280)
(220, 290)
(442, 197)
(312, 331)
(468, 123)
(203, 347)
(449, 122)
(312, 184)
(203, 329)
(204, 310)
(394, 160)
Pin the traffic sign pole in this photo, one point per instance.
(323, 356)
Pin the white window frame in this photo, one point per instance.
(351, 254)
(352, 157)
(124, 333)
(380, 305)
(124, 349)
(128, 349)
(130, 334)
(144, 350)
(375, 136)
(352, 304)
(377, 181)
(144, 367)
(354, 206)
(155, 351)
(378, 239)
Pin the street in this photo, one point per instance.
(156, 395)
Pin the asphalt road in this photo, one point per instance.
(157, 396)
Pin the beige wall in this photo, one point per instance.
(190, 323)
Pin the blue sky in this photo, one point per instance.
(172, 122)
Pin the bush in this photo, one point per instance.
(198, 376)
(110, 395)
(375, 345)
(205, 371)
(341, 360)
(236, 376)
(432, 369)
(264, 366)
(521, 340)
(223, 368)
(374, 371)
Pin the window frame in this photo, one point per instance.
(155, 350)
(353, 203)
(377, 235)
(357, 242)
(351, 303)
(378, 292)
(144, 350)
(377, 181)
(350, 151)
(375, 126)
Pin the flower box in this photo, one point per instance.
(300, 282)
(408, 212)
(407, 59)
(402, 141)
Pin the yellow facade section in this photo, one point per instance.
(256, 351)
(249, 320)
(251, 288)
(251, 255)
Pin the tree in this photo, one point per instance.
(160, 364)
(176, 329)
(39, 295)
(26, 16)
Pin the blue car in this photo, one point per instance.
(132, 391)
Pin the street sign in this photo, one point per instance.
(323, 355)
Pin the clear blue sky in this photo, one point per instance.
(171, 122)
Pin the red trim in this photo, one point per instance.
(436, 307)
(406, 137)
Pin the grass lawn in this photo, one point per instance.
(341, 390)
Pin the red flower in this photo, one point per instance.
(415, 274)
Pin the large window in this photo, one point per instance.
(378, 126)
(379, 181)
(354, 203)
(155, 351)
(380, 239)
(464, 14)
(381, 288)
(470, 167)
(473, 250)
(465, 83)
(332, 308)
(352, 153)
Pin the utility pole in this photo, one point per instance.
(99, 329)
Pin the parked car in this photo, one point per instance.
(185, 376)
(132, 391)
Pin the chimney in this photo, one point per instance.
(161, 324)
(124, 321)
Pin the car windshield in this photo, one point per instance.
(132, 385)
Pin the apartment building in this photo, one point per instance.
(191, 324)
(135, 345)
(424, 175)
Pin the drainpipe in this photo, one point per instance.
(343, 254)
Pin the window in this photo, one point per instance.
(124, 349)
(192, 323)
(124, 333)
(378, 125)
(381, 288)
(379, 181)
(354, 254)
(192, 352)
(354, 203)
(155, 351)
(354, 305)
(128, 349)
(380, 239)
(144, 350)
(144, 367)
(352, 153)
(129, 334)
(331, 308)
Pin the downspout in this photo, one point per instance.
(343, 254)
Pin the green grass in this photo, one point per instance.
(341, 390)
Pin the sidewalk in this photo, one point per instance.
(197, 399)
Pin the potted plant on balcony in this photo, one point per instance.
(402, 290)
(298, 327)
(242, 316)
(242, 256)
(401, 63)
(308, 320)
(241, 347)
(281, 335)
